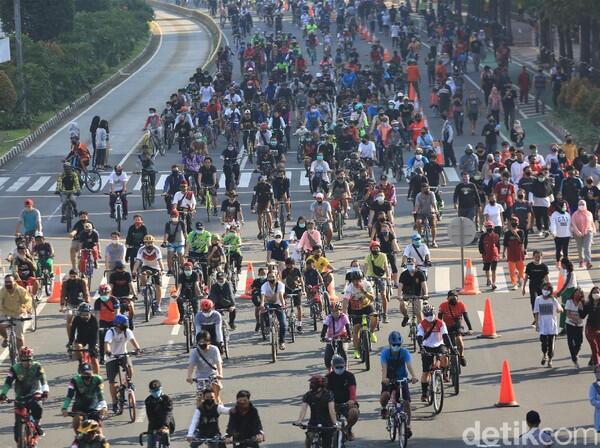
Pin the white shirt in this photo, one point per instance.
(189, 203)
(412, 252)
(233, 98)
(206, 94)
(118, 341)
(546, 309)
(516, 170)
(149, 259)
(367, 151)
(494, 213)
(320, 166)
(560, 224)
(321, 211)
(269, 292)
(436, 338)
(118, 180)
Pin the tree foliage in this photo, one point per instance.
(8, 94)
(41, 19)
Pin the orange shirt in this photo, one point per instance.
(412, 73)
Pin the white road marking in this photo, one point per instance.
(18, 183)
(303, 180)
(550, 133)
(480, 314)
(451, 174)
(141, 416)
(138, 185)
(222, 181)
(59, 130)
(245, 180)
(441, 279)
(501, 277)
(161, 182)
(38, 184)
(175, 330)
(52, 187)
(584, 280)
(3, 180)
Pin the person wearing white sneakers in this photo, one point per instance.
(545, 312)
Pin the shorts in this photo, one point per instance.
(356, 315)
(261, 208)
(472, 117)
(155, 275)
(392, 262)
(29, 282)
(489, 264)
(112, 368)
(427, 356)
(75, 245)
(403, 386)
(296, 298)
(19, 327)
(342, 409)
(378, 282)
(177, 248)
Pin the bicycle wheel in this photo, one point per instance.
(118, 218)
(186, 333)
(263, 328)
(292, 321)
(392, 425)
(22, 435)
(413, 337)
(340, 225)
(208, 204)
(364, 349)
(273, 342)
(314, 311)
(455, 373)
(145, 197)
(402, 433)
(147, 303)
(47, 285)
(282, 216)
(176, 267)
(131, 405)
(68, 218)
(93, 181)
(437, 390)
(34, 315)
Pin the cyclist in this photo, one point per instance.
(30, 219)
(135, 239)
(121, 283)
(118, 187)
(322, 410)
(67, 185)
(294, 284)
(336, 325)
(172, 186)
(412, 283)
(232, 242)
(189, 289)
(29, 379)
(89, 241)
(84, 332)
(323, 265)
(340, 192)
(205, 360)
(342, 384)
(277, 250)
(205, 421)
(358, 302)
(380, 211)
(232, 209)
(395, 366)
(113, 253)
(452, 312)
(86, 391)
(115, 344)
(389, 247)
(174, 239)
(425, 208)
(377, 269)
(23, 266)
(210, 321)
(433, 339)
(73, 292)
(15, 302)
(281, 193)
(209, 180)
(215, 257)
(272, 297)
(106, 308)
(159, 410)
(44, 252)
(321, 214)
(262, 201)
(222, 295)
(89, 435)
(79, 154)
(256, 286)
(310, 239)
(244, 422)
(184, 201)
(153, 122)
(197, 246)
(418, 252)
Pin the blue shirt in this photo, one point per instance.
(30, 220)
(396, 362)
(277, 251)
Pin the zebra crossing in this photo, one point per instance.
(45, 183)
(528, 109)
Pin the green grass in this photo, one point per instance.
(584, 132)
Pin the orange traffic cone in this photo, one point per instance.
(387, 57)
(249, 279)
(488, 329)
(172, 314)
(57, 271)
(507, 393)
(560, 283)
(471, 287)
(411, 92)
(56, 289)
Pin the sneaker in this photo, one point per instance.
(386, 319)
(232, 327)
(102, 361)
(550, 363)
(299, 329)
(494, 287)
(562, 332)
(463, 361)
(356, 354)
(489, 282)
(373, 338)
(289, 217)
(405, 321)
(256, 327)
(259, 236)
(95, 265)
(546, 233)
(281, 346)
(434, 244)
(350, 435)
(541, 234)
(409, 433)
(39, 429)
(424, 399)
(345, 215)
(514, 287)
(330, 246)
(576, 364)
(588, 266)
(544, 359)
(115, 408)
(276, 223)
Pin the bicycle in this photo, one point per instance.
(337, 346)
(26, 429)
(249, 137)
(152, 140)
(378, 293)
(160, 438)
(224, 331)
(271, 329)
(88, 265)
(90, 178)
(85, 358)
(45, 277)
(264, 228)
(34, 317)
(315, 434)
(68, 212)
(173, 257)
(281, 218)
(291, 316)
(13, 351)
(315, 305)
(188, 321)
(148, 292)
(169, 134)
(454, 367)
(206, 199)
(125, 390)
(364, 338)
(205, 383)
(118, 215)
(231, 268)
(435, 388)
(338, 221)
(412, 329)
(397, 419)
(148, 190)
(340, 439)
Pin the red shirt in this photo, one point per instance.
(505, 193)
(452, 313)
(490, 247)
(412, 73)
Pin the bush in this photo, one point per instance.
(8, 94)
(41, 19)
(11, 120)
(95, 5)
(595, 112)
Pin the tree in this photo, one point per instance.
(41, 19)
(8, 93)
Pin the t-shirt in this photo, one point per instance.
(118, 180)
(320, 211)
(452, 314)
(212, 356)
(176, 233)
(321, 264)
(319, 407)
(536, 273)
(340, 385)
(396, 362)
(357, 300)
(114, 253)
(494, 213)
(120, 283)
(149, 259)
(269, 292)
(336, 328)
(199, 241)
(436, 335)
(30, 219)
(278, 251)
(411, 284)
(231, 209)
(118, 340)
(188, 282)
(522, 209)
(573, 317)
(546, 310)
(433, 172)
(106, 309)
(207, 175)
(379, 261)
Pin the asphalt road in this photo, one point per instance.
(559, 393)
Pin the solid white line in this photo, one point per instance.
(133, 148)
(175, 330)
(141, 416)
(451, 174)
(18, 184)
(3, 180)
(138, 185)
(55, 133)
(441, 281)
(39, 183)
(480, 314)
(303, 180)
(550, 133)
(161, 181)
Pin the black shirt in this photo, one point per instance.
(87, 331)
(244, 426)
(377, 207)
(521, 209)
(88, 240)
(221, 295)
(135, 236)
(319, 406)
(466, 195)
(188, 283)
(78, 228)
(120, 282)
(339, 385)
(159, 412)
(411, 284)
(231, 209)
(536, 274)
(206, 175)
(433, 172)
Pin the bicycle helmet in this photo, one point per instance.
(88, 226)
(358, 106)
(356, 275)
(338, 361)
(25, 354)
(317, 381)
(28, 202)
(38, 234)
(84, 308)
(85, 368)
(104, 289)
(149, 239)
(374, 244)
(395, 338)
(319, 196)
(120, 321)
(428, 310)
(88, 426)
(338, 305)
(67, 166)
(206, 305)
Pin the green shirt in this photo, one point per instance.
(379, 261)
(25, 381)
(199, 241)
(87, 396)
(233, 240)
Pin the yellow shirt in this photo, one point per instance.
(380, 261)
(570, 150)
(321, 264)
(16, 302)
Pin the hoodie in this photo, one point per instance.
(582, 222)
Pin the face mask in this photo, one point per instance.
(418, 157)
(452, 301)
(221, 282)
(417, 243)
(582, 208)
(174, 219)
(187, 273)
(545, 292)
(429, 318)
(563, 209)
(375, 252)
(174, 172)
(596, 296)
(319, 158)
(104, 298)
(209, 402)
(395, 348)
(302, 225)
(410, 267)
(203, 345)
(497, 159)
(156, 393)
(492, 202)
(380, 200)
(339, 370)
(385, 234)
(206, 314)
(521, 197)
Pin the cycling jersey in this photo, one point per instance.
(25, 381)
(278, 251)
(396, 363)
(234, 241)
(199, 241)
(262, 194)
(106, 309)
(436, 330)
(88, 396)
(149, 259)
(30, 220)
(214, 321)
(336, 328)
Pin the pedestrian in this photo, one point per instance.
(567, 289)
(93, 128)
(540, 80)
(594, 397)
(540, 197)
(535, 436)
(591, 194)
(517, 134)
(574, 324)
(545, 309)
(509, 107)
(494, 104)
(466, 198)
(560, 227)
(489, 248)
(583, 228)
(473, 106)
(101, 146)
(447, 142)
(514, 252)
(536, 272)
(469, 163)
(458, 113)
(570, 148)
(591, 170)
(518, 166)
(487, 82)
(591, 310)
(557, 79)
(494, 212)
(491, 131)
(524, 83)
